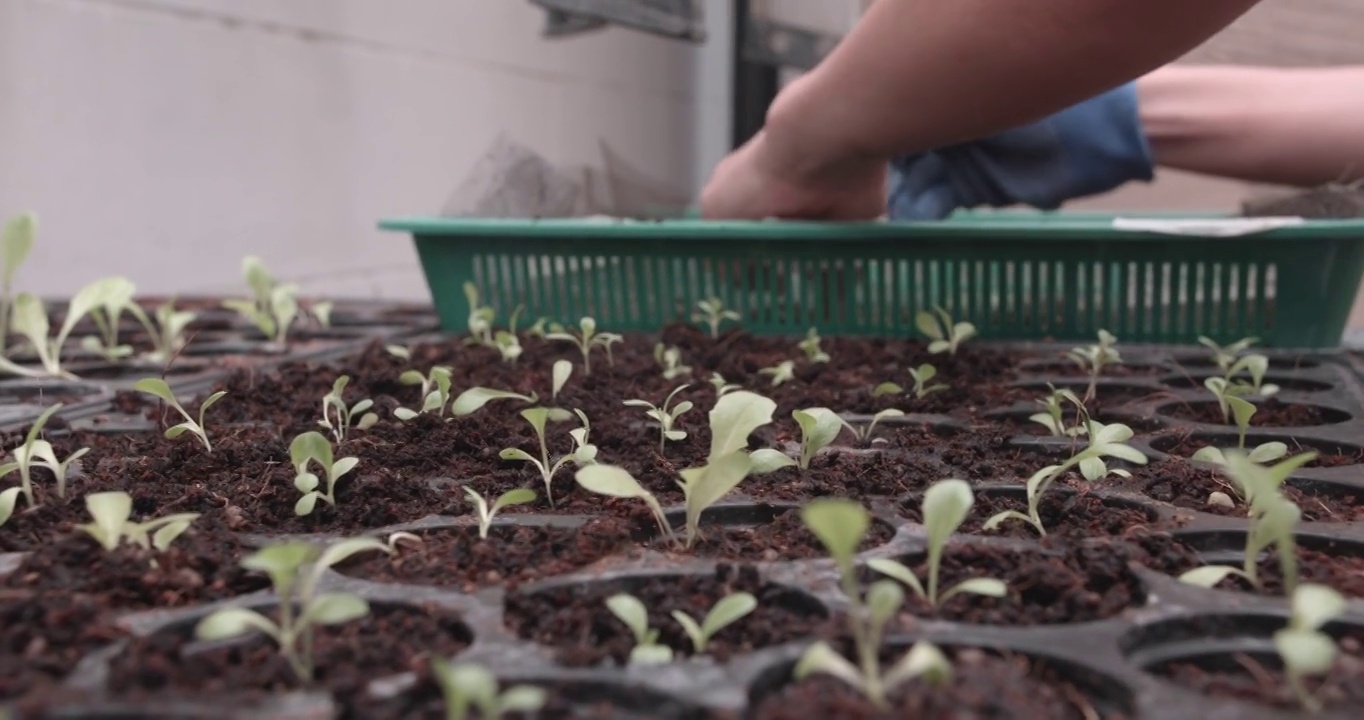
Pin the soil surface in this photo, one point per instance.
(576, 623)
(1340, 570)
(1186, 446)
(1268, 413)
(1069, 515)
(983, 685)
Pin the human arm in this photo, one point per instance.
(1286, 126)
(921, 74)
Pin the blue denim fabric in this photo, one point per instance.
(1086, 149)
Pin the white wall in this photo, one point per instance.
(165, 139)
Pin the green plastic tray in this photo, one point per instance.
(1016, 275)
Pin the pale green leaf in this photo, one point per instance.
(820, 658)
(519, 496)
(339, 552)
(946, 505)
(335, 609)
(987, 587)
(306, 482)
(1093, 468)
(411, 377)
(9, 497)
(923, 660)
(343, 466)
(1305, 652)
(156, 387)
(884, 599)
(311, 445)
(176, 431)
(562, 370)
(28, 317)
(999, 518)
(735, 416)
(1314, 605)
(233, 622)
(1208, 575)
(818, 427)
(694, 632)
(210, 400)
(939, 346)
(886, 388)
(1268, 452)
(404, 414)
(839, 524)
(1209, 455)
(472, 400)
(611, 481)
(110, 511)
(646, 655)
(727, 611)
(537, 417)
(172, 529)
(367, 421)
(281, 560)
(766, 460)
(898, 571)
(517, 454)
(715, 481)
(525, 699)
(928, 325)
(16, 243)
(629, 610)
(306, 504)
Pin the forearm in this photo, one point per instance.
(920, 74)
(1281, 126)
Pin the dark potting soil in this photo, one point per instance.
(984, 686)
(575, 621)
(1067, 368)
(563, 701)
(1247, 678)
(391, 640)
(1184, 484)
(784, 538)
(1269, 413)
(457, 558)
(1052, 585)
(43, 636)
(1339, 570)
(1070, 515)
(201, 566)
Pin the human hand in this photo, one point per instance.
(1092, 147)
(752, 184)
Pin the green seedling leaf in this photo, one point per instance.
(613, 481)
(1208, 576)
(987, 587)
(280, 561)
(818, 428)
(563, 369)
(839, 524)
(1306, 652)
(646, 655)
(726, 612)
(1315, 605)
(335, 609)
(522, 699)
(884, 600)
(306, 504)
(897, 571)
(472, 400)
(886, 388)
(156, 387)
(9, 497)
(703, 487)
(735, 416)
(340, 551)
(923, 660)
(928, 325)
(820, 658)
(16, 242)
(233, 622)
(766, 460)
(519, 496)
(110, 511)
(629, 610)
(308, 446)
(175, 527)
(1268, 452)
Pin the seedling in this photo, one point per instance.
(721, 385)
(537, 329)
(734, 417)
(481, 319)
(166, 331)
(272, 307)
(1249, 474)
(435, 391)
(713, 314)
(486, 513)
(727, 611)
(345, 417)
(312, 447)
(34, 452)
(584, 452)
(923, 383)
(466, 686)
(1304, 649)
(587, 339)
(781, 373)
(946, 505)
(1225, 356)
(506, 342)
(863, 433)
(294, 568)
(819, 427)
(1255, 366)
(670, 359)
(666, 417)
(113, 296)
(810, 346)
(944, 335)
(537, 417)
(322, 312)
(1053, 416)
(841, 525)
(28, 318)
(1092, 360)
(398, 351)
(16, 241)
(1242, 412)
(1104, 441)
(1273, 519)
(159, 389)
(112, 526)
(647, 650)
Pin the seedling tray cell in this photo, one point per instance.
(1015, 275)
(1095, 623)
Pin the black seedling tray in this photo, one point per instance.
(1108, 658)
